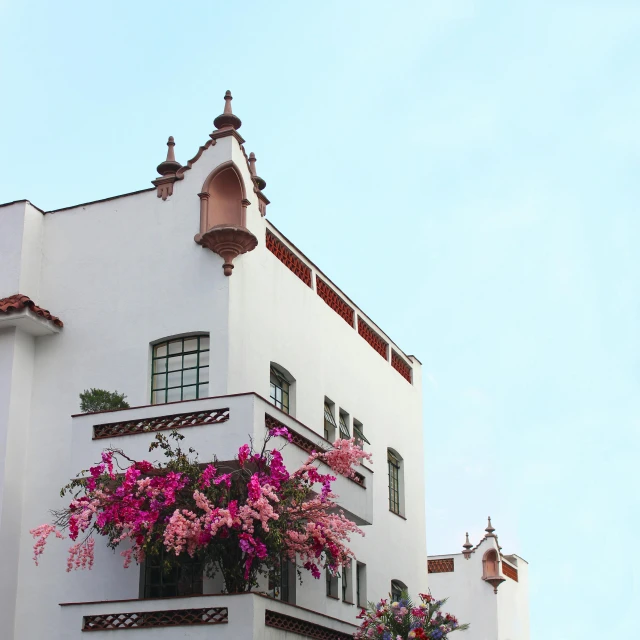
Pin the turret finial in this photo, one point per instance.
(260, 182)
(227, 120)
(169, 165)
(490, 529)
(467, 546)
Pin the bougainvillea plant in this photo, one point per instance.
(402, 620)
(239, 518)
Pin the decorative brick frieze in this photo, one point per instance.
(376, 341)
(161, 423)
(509, 571)
(288, 258)
(335, 301)
(400, 366)
(303, 627)
(441, 565)
(154, 619)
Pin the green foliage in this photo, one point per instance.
(101, 400)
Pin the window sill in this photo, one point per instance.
(347, 602)
(332, 597)
(397, 514)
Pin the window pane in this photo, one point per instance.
(189, 393)
(189, 376)
(160, 365)
(158, 397)
(204, 374)
(191, 344)
(175, 363)
(174, 379)
(203, 390)
(159, 381)
(175, 347)
(204, 358)
(160, 350)
(190, 360)
(204, 342)
(174, 394)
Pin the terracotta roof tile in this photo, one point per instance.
(18, 302)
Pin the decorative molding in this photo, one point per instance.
(400, 365)
(373, 338)
(303, 627)
(161, 423)
(228, 242)
(167, 170)
(332, 299)
(154, 619)
(190, 163)
(441, 565)
(288, 258)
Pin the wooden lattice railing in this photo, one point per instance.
(161, 423)
(441, 565)
(303, 627)
(154, 619)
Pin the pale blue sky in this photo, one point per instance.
(467, 172)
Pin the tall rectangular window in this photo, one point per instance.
(394, 482)
(279, 393)
(331, 584)
(182, 578)
(180, 369)
(344, 427)
(361, 585)
(329, 422)
(347, 586)
(358, 434)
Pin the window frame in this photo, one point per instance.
(157, 564)
(358, 433)
(330, 426)
(343, 419)
(394, 465)
(397, 588)
(331, 585)
(284, 384)
(361, 585)
(201, 387)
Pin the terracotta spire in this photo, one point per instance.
(169, 165)
(260, 183)
(490, 530)
(467, 546)
(167, 171)
(227, 120)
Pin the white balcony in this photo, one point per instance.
(239, 616)
(211, 426)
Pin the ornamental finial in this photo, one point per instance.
(169, 165)
(490, 529)
(227, 120)
(467, 546)
(260, 183)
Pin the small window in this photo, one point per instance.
(358, 434)
(332, 584)
(180, 369)
(361, 585)
(282, 585)
(280, 389)
(344, 425)
(329, 421)
(395, 482)
(397, 589)
(164, 575)
(347, 585)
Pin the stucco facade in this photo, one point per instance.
(125, 273)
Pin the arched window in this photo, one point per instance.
(490, 564)
(180, 369)
(396, 482)
(397, 588)
(281, 388)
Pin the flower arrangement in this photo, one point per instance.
(239, 518)
(401, 620)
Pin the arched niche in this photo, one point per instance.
(490, 564)
(223, 198)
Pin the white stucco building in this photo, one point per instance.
(485, 587)
(238, 326)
